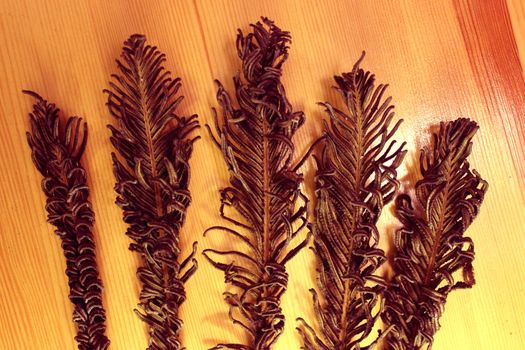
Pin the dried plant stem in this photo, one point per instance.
(355, 178)
(56, 154)
(256, 142)
(152, 172)
(431, 246)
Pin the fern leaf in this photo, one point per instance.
(431, 246)
(356, 177)
(152, 172)
(256, 142)
(56, 152)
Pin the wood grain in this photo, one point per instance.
(443, 59)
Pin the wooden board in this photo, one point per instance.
(443, 59)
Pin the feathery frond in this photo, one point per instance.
(152, 172)
(356, 177)
(431, 246)
(56, 153)
(256, 142)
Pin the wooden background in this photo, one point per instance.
(443, 59)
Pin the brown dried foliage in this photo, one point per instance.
(56, 153)
(431, 247)
(152, 172)
(256, 142)
(356, 176)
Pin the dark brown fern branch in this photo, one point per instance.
(152, 172)
(256, 141)
(56, 152)
(356, 177)
(431, 247)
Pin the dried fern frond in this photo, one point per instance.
(56, 152)
(152, 172)
(256, 141)
(431, 246)
(356, 177)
